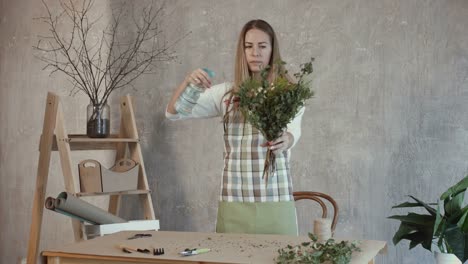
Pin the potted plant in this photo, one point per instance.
(445, 224)
(98, 60)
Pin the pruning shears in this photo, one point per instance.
(190, 252)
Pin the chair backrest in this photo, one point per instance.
(319, 197)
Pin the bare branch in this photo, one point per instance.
(110, 62)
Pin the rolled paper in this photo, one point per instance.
(50, 204)
(70, 204)
(322, 228)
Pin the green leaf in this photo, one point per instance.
(431, 210)
(461, 186)
(305, 244)
(423, 238)
(403, 231)
(407, 204)
(453, 204)
(463, 222)
(438, 222)
(414, 243)
(457, 215)
(313, 237)
(413, 218)
(415, 234)
(440, 242)
(458, 243)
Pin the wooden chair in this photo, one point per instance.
(319, 197)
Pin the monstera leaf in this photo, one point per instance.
(417, 228)
(448, 227)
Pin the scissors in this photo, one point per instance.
(190, 252)
(139, 236)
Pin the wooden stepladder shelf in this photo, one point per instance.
(55, 138)
(82, 142)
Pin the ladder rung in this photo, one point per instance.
(111, 138)
(114, 193)
(82, 142)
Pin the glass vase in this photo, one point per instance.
(98, 120)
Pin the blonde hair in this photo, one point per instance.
(241, 68)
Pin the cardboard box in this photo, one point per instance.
(94, 178)
(122, 177)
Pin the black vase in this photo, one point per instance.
(98, 120)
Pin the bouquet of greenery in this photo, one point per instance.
(315, 252)
(270, 107)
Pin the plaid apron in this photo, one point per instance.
(247, 204)
(244, 160)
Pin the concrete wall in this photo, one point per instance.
(388, 119)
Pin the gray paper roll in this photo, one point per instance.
(70, 204)
(50, 204)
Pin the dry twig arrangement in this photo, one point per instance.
(99, 61)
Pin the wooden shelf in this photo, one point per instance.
(55, 137)
(114, 193)
(83, 142)
(111, 138)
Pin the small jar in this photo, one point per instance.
(322, 229)
(98, 120)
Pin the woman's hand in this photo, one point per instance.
(281, 144)
(200, 78)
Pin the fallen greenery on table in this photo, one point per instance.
(316, 252)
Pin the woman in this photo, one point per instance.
(247, 204)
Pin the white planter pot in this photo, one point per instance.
(444, 258)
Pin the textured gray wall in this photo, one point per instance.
(389, 117)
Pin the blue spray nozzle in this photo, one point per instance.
(210, 72)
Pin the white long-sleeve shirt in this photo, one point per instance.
(211, 104)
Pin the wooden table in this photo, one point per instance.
(225, 248)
